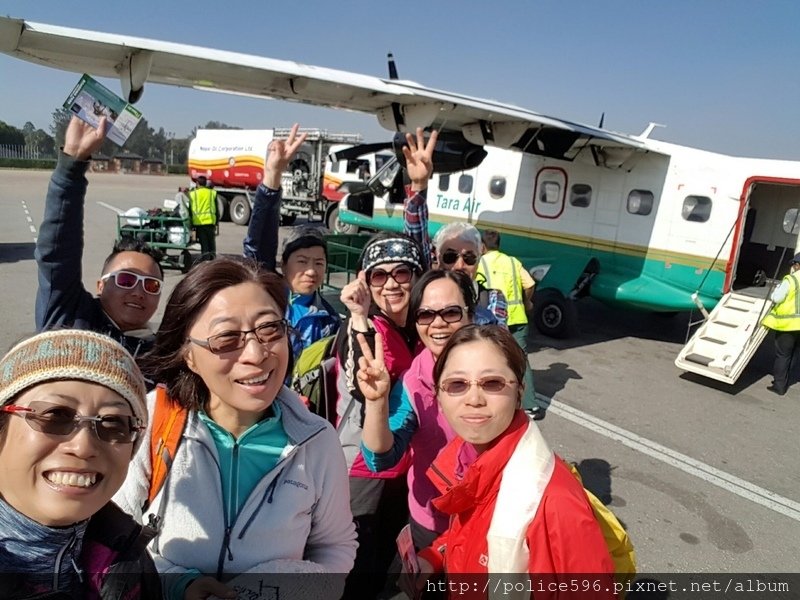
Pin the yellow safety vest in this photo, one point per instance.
(500, 272)
(203, 206)
(786, 315)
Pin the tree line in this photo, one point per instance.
(146, 141)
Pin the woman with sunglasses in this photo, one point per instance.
(378, 304)
(442, 302)
(72, 414)
(258, 484)
(514, 506)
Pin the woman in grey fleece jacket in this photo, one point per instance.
(258, 484)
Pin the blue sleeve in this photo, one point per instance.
(59, 247)
(261, 241)
(176, 585)
(402, 423)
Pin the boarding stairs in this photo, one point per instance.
(728, 338)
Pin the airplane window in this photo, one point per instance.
(696, 208)
(640, 202)
(497, 187)
(549, 192)
(465, 184)
(580, 195)
(444, 183)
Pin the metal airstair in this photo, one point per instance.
(728, 338)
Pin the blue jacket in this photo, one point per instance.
(61, 299)
(320, 321)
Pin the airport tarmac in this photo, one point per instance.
(702, 474)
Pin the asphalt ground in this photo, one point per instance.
(705, 476)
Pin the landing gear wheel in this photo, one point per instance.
(334, 224)
(553, 314)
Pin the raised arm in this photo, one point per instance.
(261, 241)
(419, 166)
(59, 246)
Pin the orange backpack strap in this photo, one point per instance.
(169, 419)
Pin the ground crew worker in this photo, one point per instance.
(506, 273)
(203, 207)
(784, 319)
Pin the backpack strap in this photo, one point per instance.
(169, 420)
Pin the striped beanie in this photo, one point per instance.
(73, 354)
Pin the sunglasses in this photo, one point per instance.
(449, 257)
(379, 277)
(128, 280)
(488, 385)
(266, 333)
(449, 314)
(56, 419)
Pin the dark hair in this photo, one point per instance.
(496, 334)
(201, 180)
(127, 244)
(491, 239)
(300, 239)
(165, 362)
(387, 235)
(462, 280)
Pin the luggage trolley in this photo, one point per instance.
(162, 230)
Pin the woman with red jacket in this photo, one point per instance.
(514, 506)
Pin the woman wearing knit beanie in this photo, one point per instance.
(72, 413)
(257, 483)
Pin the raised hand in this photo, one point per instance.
(356, 296)
(82, 140)
(279, 156)
(373, 378)
(419, 158)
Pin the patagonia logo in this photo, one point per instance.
(298, 484)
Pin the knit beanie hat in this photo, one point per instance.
(73, 354)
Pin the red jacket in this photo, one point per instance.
(562, 538)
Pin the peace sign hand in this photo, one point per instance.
(279, 156)
(419, 158)
(373, 378)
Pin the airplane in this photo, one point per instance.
(626, 219)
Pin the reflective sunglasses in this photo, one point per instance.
(489, 385)
(379, 277)
(128, 280)
(449, 257)
(266, 333)
(56, 419)
(449, 314)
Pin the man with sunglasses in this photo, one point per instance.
(131, 280)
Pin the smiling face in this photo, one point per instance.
(478, 417)
(392, 297)
(304, 269)
(439, 294)
(58, 480)
(243, 383)
(129, 309)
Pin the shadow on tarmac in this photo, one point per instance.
(15, 252)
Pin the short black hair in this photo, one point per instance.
(127, 244)
(201, 180)
(491, 239)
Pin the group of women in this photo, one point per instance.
(428, 420)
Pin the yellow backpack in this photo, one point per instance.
(619, 543)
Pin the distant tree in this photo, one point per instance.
(61, 118)
(212, 125)
(11, 135)
(28, 130)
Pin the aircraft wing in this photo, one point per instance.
(400, 105)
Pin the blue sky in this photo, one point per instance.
(721, 74)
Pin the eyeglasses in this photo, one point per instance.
(449, 314)
(488, 385)
(449, 257)
(56, 419)
(266, 333)
(379, 277)
(128, 280)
